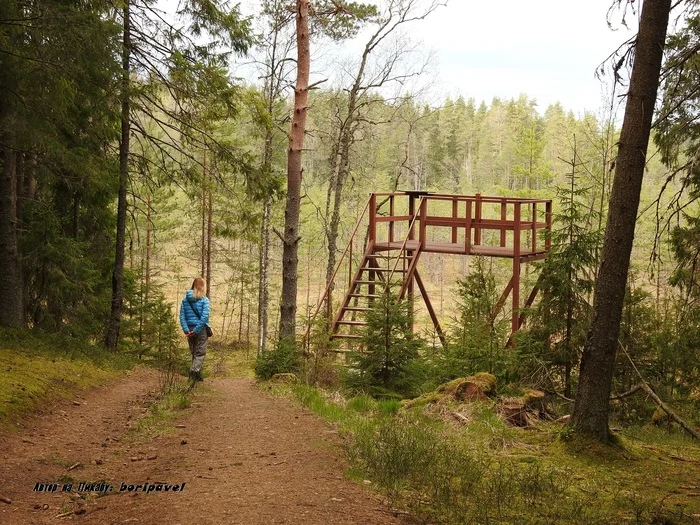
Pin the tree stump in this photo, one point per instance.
(523, 411)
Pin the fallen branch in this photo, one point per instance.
(656, 399)
(633, 390)
(560, 396)
(663, 406)
(460, 417)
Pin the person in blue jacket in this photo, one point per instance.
(194, 316)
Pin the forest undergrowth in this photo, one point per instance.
(39, 368)
(489, 472)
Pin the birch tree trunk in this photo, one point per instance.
(263, 278)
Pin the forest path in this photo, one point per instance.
(245, 458)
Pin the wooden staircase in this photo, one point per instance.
(378, 271)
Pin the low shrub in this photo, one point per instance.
(285, 357)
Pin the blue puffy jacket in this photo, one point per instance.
(188, 318)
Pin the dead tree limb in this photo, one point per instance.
(656, 399)
(663, 406)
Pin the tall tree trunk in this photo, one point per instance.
(263, 277)
(204, 218)
(331, 237)
(591, 408)
(148, 248)
(146, 274)
(112, 336)
(210, 230)
(290, 256)
(568, 351)
(337, 185)
(21, 169)
(11, 307)
(240, 313)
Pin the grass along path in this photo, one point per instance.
(244, 456)
(486, 471)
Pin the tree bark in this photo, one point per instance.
(147, 274)
(210, 231)
(11, 306)
(338, 183)
(290, 256)
(112, 336)
(264, 264)
(591, 408)
(204, 218)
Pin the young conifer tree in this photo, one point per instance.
(560, 320)
(390, 349)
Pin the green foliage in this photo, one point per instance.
(151, 328)
(66, 256)
(476, 338)
(57, 116)
(389, 364)
(220, 21)
(285, 357)
(341, 21)
(477, 474)
(678, 129)
(321, 368)
(559, 322)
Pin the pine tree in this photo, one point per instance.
(592, 404)
(56, 123)
(385, 366)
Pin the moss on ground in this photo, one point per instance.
(36, 369)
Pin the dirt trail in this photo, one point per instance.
(244, 456)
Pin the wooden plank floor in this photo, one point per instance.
(459, 248)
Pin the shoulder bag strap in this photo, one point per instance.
(199, 316)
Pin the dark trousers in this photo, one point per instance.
(198, 348)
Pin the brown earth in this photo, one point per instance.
(244, 456)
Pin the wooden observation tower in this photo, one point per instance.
(402, 226)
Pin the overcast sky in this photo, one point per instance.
(547, 49)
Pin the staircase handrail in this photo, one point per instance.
(337, 267)
(408, 234)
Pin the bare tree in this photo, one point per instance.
(385, 61)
